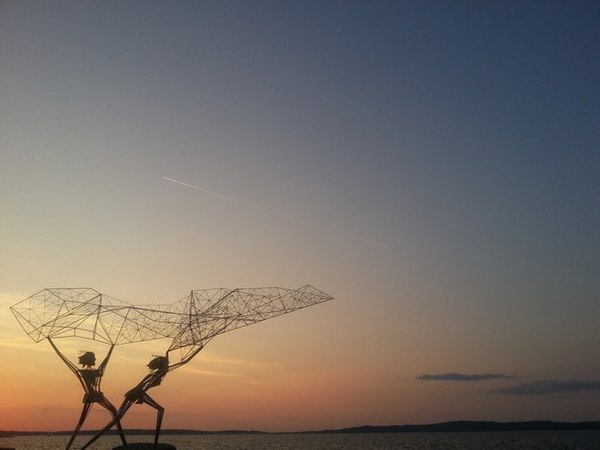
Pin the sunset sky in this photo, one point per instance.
(432, 165)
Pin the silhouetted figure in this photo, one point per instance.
(159, 367)
(90, 379)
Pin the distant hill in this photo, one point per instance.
(467, 425)
(445, 427)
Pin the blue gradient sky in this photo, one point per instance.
(432, 165)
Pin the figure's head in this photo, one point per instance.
(87, 359)
(159, 363)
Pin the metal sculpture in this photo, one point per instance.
(90, 379)
(190, 323)
(207, 313)
(86, 313)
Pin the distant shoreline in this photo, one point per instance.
(445, 427)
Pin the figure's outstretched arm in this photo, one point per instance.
(103, 364)
(69, 364)
(187, 359)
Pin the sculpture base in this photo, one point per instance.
(145, 446)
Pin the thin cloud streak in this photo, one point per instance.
(212, 373)
(270, 211)
(24, 344)
(452, 376)
(546, 387)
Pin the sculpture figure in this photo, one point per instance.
(90, 379)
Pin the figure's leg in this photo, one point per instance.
(120, 413)
(113, 411)
(159, 418)
(160, 411)
(84, 413)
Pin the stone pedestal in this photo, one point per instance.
(145, 446)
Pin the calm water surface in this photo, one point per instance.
(518, 440)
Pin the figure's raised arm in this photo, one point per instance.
(186, 359)
(103, 364)
(69, 364)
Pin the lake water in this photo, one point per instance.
(499, 440)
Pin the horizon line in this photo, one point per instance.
(557, 423)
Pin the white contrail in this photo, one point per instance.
(216, 194)
(368, 241)
(270, 211)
